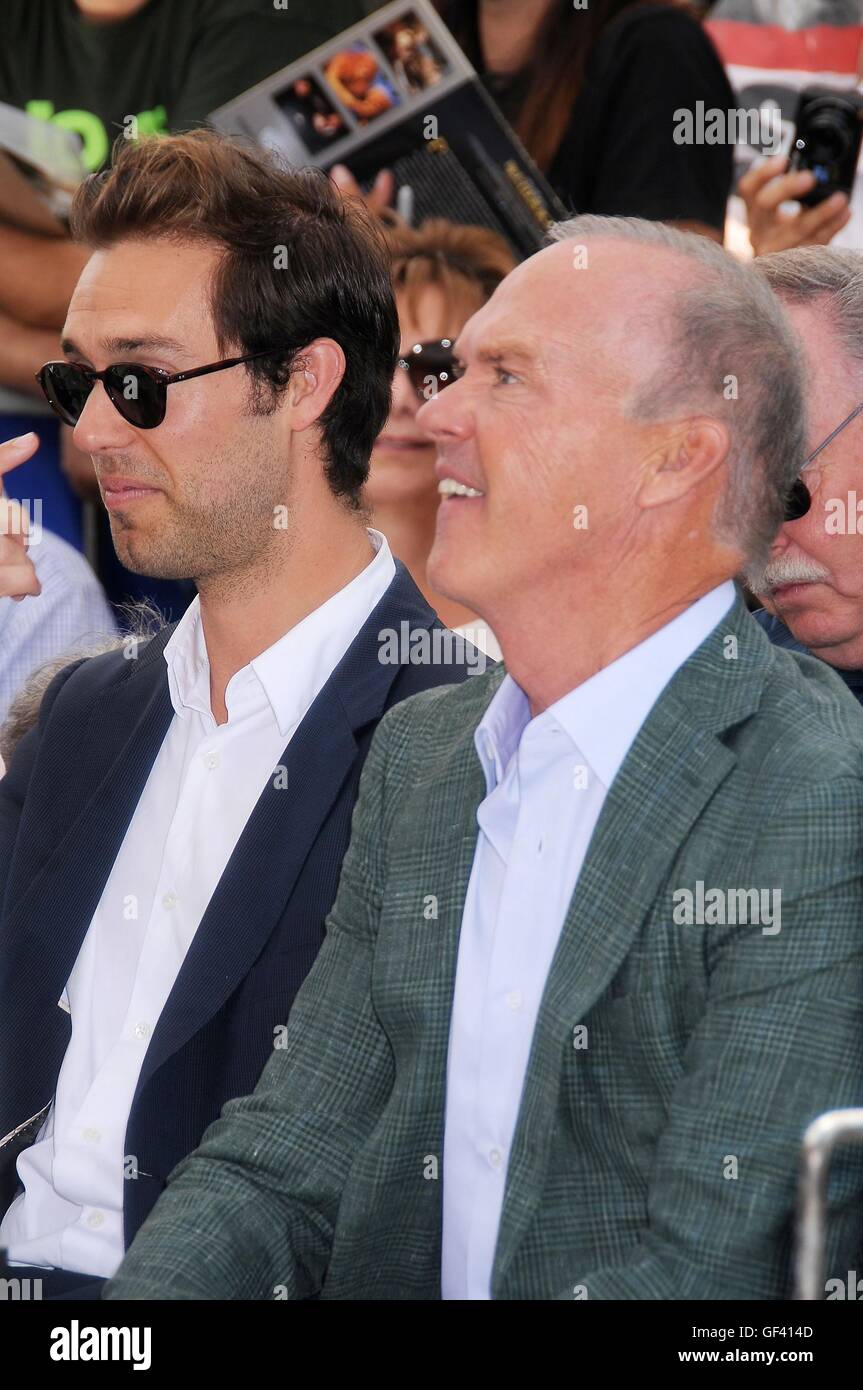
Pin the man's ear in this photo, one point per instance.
(317, 372)
(687, 456)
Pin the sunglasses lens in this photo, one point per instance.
(66, 389)
(798, 501)
(139, 397)
(430, 367)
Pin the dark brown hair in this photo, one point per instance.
(203, 186)
(561, 47)
(460, 261)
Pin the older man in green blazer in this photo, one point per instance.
(596, 959)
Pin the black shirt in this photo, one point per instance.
(618, 155)
(169, 65)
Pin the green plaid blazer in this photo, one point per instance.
(656, 1150)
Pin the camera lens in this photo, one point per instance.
(828, 135)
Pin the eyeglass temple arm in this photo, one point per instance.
(838, 430)
(219, 366)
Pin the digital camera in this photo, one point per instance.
(827, 140)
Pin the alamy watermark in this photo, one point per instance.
(719, 907)
(21, 520)
(760, 127)
(437, 646)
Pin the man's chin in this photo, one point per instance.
(808, 621)
(445, 574)
(138, 560)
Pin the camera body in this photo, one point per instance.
(827, 140)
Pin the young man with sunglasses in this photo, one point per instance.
(171, 833)
(812, 583)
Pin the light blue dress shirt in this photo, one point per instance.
(546, 781)
(70, 615)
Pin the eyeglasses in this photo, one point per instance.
(799, 499)
(139, 393)
(430, 366)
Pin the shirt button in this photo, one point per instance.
(211, 760)
(95, 1220)
(495, 1158)
(514, 999)
(170, 900)
(142, 1030)
(92, 1136)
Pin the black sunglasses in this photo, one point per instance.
(139, 393)
(799, 499)
(430, 366)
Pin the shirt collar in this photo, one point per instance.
(185, 655)
(603, 715)
(294, 669)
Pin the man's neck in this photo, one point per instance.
(552, 647)
(847, 657)
(507, 29)
(244, 614)
(409, 527)
(109, 11)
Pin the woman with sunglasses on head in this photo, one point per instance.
(442, 273)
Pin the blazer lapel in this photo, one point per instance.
(259, 878)
(125, 731)
(671, 771)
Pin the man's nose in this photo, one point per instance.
(447, 415)
(782, 540)
(100, 426)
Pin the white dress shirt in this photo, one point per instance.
(546, 780)
(202, 789)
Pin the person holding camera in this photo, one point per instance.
(772, 53)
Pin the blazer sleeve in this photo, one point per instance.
(251, 1213)
(780, 1042)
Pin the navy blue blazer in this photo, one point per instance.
(65, 805)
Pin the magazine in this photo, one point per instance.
(40, 166)
(395, 91)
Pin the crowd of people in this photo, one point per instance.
(430, 857)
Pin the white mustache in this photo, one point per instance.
(786, 569)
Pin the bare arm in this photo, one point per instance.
(37, 276)
(22, 352)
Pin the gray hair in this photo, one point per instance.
(809, 273)
(728, 351)
(142, 621)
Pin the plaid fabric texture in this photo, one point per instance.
(674, 1065)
